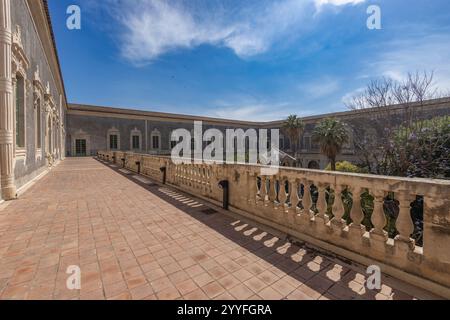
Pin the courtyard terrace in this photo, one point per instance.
(136, 239)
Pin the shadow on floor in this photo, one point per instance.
(324, 276)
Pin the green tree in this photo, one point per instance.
(293, 127)
(331, 134)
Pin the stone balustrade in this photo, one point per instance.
(343, 213)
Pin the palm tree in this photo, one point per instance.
(293, 127)
(331, 135)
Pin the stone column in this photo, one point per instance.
(6, 105)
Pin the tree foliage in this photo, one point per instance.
(421, 150)
(293, 127)
(376, 143)
(331, 134)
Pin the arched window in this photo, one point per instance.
(313, 165)
(20, 111)
(20, 64)
(38, 96)
(38, 117)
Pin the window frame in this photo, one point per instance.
(113, 132)
(113, 141)
(136, 133)
(135, 142)
(158, 144)
(156, 134)
(20, 150)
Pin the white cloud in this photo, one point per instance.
(253, 109)
(400, 57)
(151, 28)
(350, 95)
(320, 3)
(427, 53)
(320, 88)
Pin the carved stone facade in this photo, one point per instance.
(100, 123)
(32, 98)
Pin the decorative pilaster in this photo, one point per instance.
(6, 105)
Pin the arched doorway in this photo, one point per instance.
(313, 165)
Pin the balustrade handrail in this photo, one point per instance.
(297, 201)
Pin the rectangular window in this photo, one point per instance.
(113, 142)
(307, 143)
(136, 142)
(155, 142)
(282, 143)
(20, 112)
(80, 147)
(38, 125)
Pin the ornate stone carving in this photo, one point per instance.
(38, 88)
(20, 62)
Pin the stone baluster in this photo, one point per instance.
(294, 199)
(272, 191)
(263, 190)
(338, 207)
(322, 201)
(293, 194)
(404, 223)
(378, 237)
(356, 213)
(356, 229)
(200, 176)
(306, 200)
(378, 216)
(282, 196)
(252, 187)
(193, 176)
(183, 174)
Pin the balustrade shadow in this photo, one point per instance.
(321, 274)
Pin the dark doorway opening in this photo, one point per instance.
(80, 147)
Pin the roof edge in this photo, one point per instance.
(349, 113)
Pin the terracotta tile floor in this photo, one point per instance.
(133, 241)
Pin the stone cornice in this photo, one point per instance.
(148, 115)
(100, 111)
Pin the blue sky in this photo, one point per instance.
(244, 59)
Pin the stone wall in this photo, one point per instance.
(94, 128)
(31, 88)
(87, 122)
